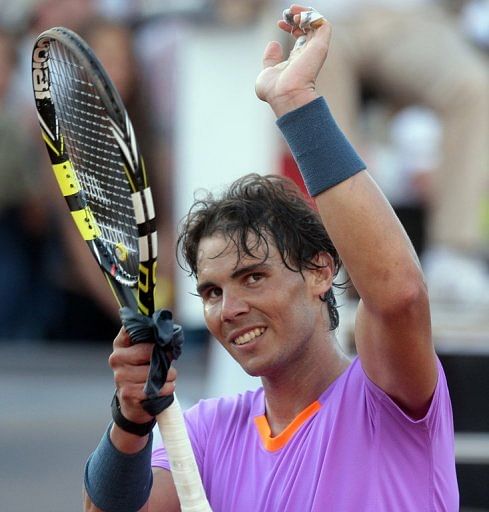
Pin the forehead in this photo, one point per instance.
(222, 252)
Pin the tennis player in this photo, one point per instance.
(324, 432)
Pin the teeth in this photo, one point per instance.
(248, 336)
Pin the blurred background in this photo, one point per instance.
(408, 81)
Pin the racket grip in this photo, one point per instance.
(182, 460)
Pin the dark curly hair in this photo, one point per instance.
(271, 208)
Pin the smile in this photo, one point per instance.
(248, 336)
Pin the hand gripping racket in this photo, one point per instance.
(101, 174)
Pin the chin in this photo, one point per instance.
(253, 370)
(258, 370)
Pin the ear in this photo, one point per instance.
(322, 277)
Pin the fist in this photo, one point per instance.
(289, 83)
(130, 364)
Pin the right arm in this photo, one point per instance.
(130, 364)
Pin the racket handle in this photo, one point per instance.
(182, 460)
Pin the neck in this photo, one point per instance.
(290, 392)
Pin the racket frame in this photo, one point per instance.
(122, 284)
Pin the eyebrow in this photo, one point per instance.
(236, 274)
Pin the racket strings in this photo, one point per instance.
(95, 155)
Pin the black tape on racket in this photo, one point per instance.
(167, 338)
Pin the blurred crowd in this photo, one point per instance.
(408, 82)
(416, 72)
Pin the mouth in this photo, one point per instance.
(249, 336)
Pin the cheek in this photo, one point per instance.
(212, 317)
(297, 313)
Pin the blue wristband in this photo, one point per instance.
(324, 155)
(116, 481)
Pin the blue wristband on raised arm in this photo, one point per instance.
(324, 155)
(116, 481)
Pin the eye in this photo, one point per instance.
(254, 278)
(212, 293)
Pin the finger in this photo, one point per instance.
(298, 17)
(172, 374)
(139, 354)
(292, 15)
(131, 375)
(122, 339)
(321, 37)
(295, 31)
(308, 20)
(168, 389)
(125, 375)
(131, 395)
(318, 39)
(299, 43)
(273, 54)
(318, 23)
(295, 9)
(133, 355)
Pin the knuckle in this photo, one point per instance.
(118, 380)
(114, 360)
(124, 394)
(122, 338)
(130, 395)
(167, 389)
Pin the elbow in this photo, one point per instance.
(407, 298)
(414, 297)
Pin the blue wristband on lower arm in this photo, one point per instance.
(116, 481)
(324, 155)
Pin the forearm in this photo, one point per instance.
(372, 243)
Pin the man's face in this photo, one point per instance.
(263, 314)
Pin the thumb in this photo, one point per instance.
(273, 54)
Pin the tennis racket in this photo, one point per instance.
(101, 174)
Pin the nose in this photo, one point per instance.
(233, 305)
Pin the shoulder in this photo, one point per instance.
(354, 390)
(439, 406)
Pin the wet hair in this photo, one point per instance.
(254, 211)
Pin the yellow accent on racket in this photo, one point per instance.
(129, 178)
(49, 142)
(86, 224)
(143, 284)
(143, 172)
(121, 251)
(66, 178)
